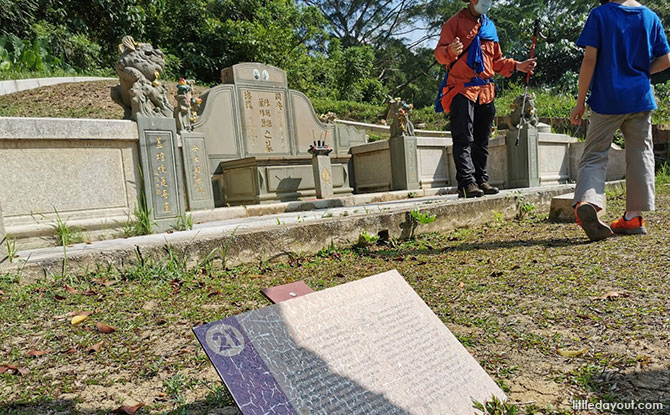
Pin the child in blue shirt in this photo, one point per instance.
(625, 43)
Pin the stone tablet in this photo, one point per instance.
(368, 347)
(286, 292)
(162, 170)
(196, 166)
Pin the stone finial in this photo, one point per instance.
(186, 112)
(515, 120)
(319, 148)
(139, 90)
(398, 111)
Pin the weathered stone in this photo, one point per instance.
(323, 173)
(561, 209)
(370, 346)
(404, 164)
(523, 169)
(140, 92)
(198, 183)
(163, 171)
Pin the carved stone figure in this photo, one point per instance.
(140, 92)
(328, 118)
(515, 120)
(186, 112)
(398, 112)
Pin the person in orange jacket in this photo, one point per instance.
(469, 48)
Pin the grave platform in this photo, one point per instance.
(268, 179)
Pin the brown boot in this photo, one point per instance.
(488, 189)
(471, 190)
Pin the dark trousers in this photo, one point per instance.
(471, 125)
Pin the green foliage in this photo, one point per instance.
(184, 222)
(10, 243)
(496, 407)
(422, 218)
(365, 240)
(65, 234)
(663, 175)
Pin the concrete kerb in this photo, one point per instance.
(267, 242)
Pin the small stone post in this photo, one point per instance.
(523, 168)
(323, 172)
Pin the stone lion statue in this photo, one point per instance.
(515, 120)
(397, 111)
(140, 92)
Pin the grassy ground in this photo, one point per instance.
(517, 294)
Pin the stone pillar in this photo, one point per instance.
(323, 172)
(3, 238)
(405, 171)
(523, 168)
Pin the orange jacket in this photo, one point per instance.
(465, 26)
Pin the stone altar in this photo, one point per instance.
(367, 347)
(255, 117)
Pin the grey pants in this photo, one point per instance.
(636, 129)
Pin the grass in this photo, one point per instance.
(514, 292)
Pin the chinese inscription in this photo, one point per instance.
(161, 156)
(265, 121)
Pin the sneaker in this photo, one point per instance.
(471, 190)
(635, 226)
(488, 189)
(587, 218)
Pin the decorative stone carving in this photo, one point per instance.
(322, 169)
(397, 112)
(186, 112)
(140, 92)
(515, 120)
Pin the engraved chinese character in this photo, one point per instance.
(196, 169)
(268, 146)
(195, 148)
(165, 194)
(198, 179)
(163, 182)
(159, 143)
(161, 168)
(201, 189)
(268, 135)
(160, 157)
(280, 106)
(166, 207)
(196, 159)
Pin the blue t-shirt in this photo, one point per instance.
(627, 39)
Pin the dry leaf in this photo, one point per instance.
(71, 290)
(95, 348)
(104, 328)
(78, 319)
(611, 295)
(461, 285)
(71, 350)
(37, 353)
(214, 293)
(571, 353)
(59, 297)
(103, 281)
(89, 293)
(128, 410)
(3, 369)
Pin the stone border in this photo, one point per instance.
(16, 85)
(34, 128)
(275, 241)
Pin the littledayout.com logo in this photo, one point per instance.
(615, 406)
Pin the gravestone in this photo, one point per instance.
(161, 170)
(368, 347)
(523, 168)
(257, 132)
(198, 183)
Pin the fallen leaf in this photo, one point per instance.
(78, 319)
(37, 353)
(71, 350)
(461, 285)
(103, 281)
(214, 293)
(59, 297)
(340, 275)
(71, 290)
(3, 369)
(104, 328)
(2, 292)
(89, 293)
(611, 295)
(571, 353)
(128, 410)
(95, 348)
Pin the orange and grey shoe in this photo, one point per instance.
(587, 218)
(635, 226)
